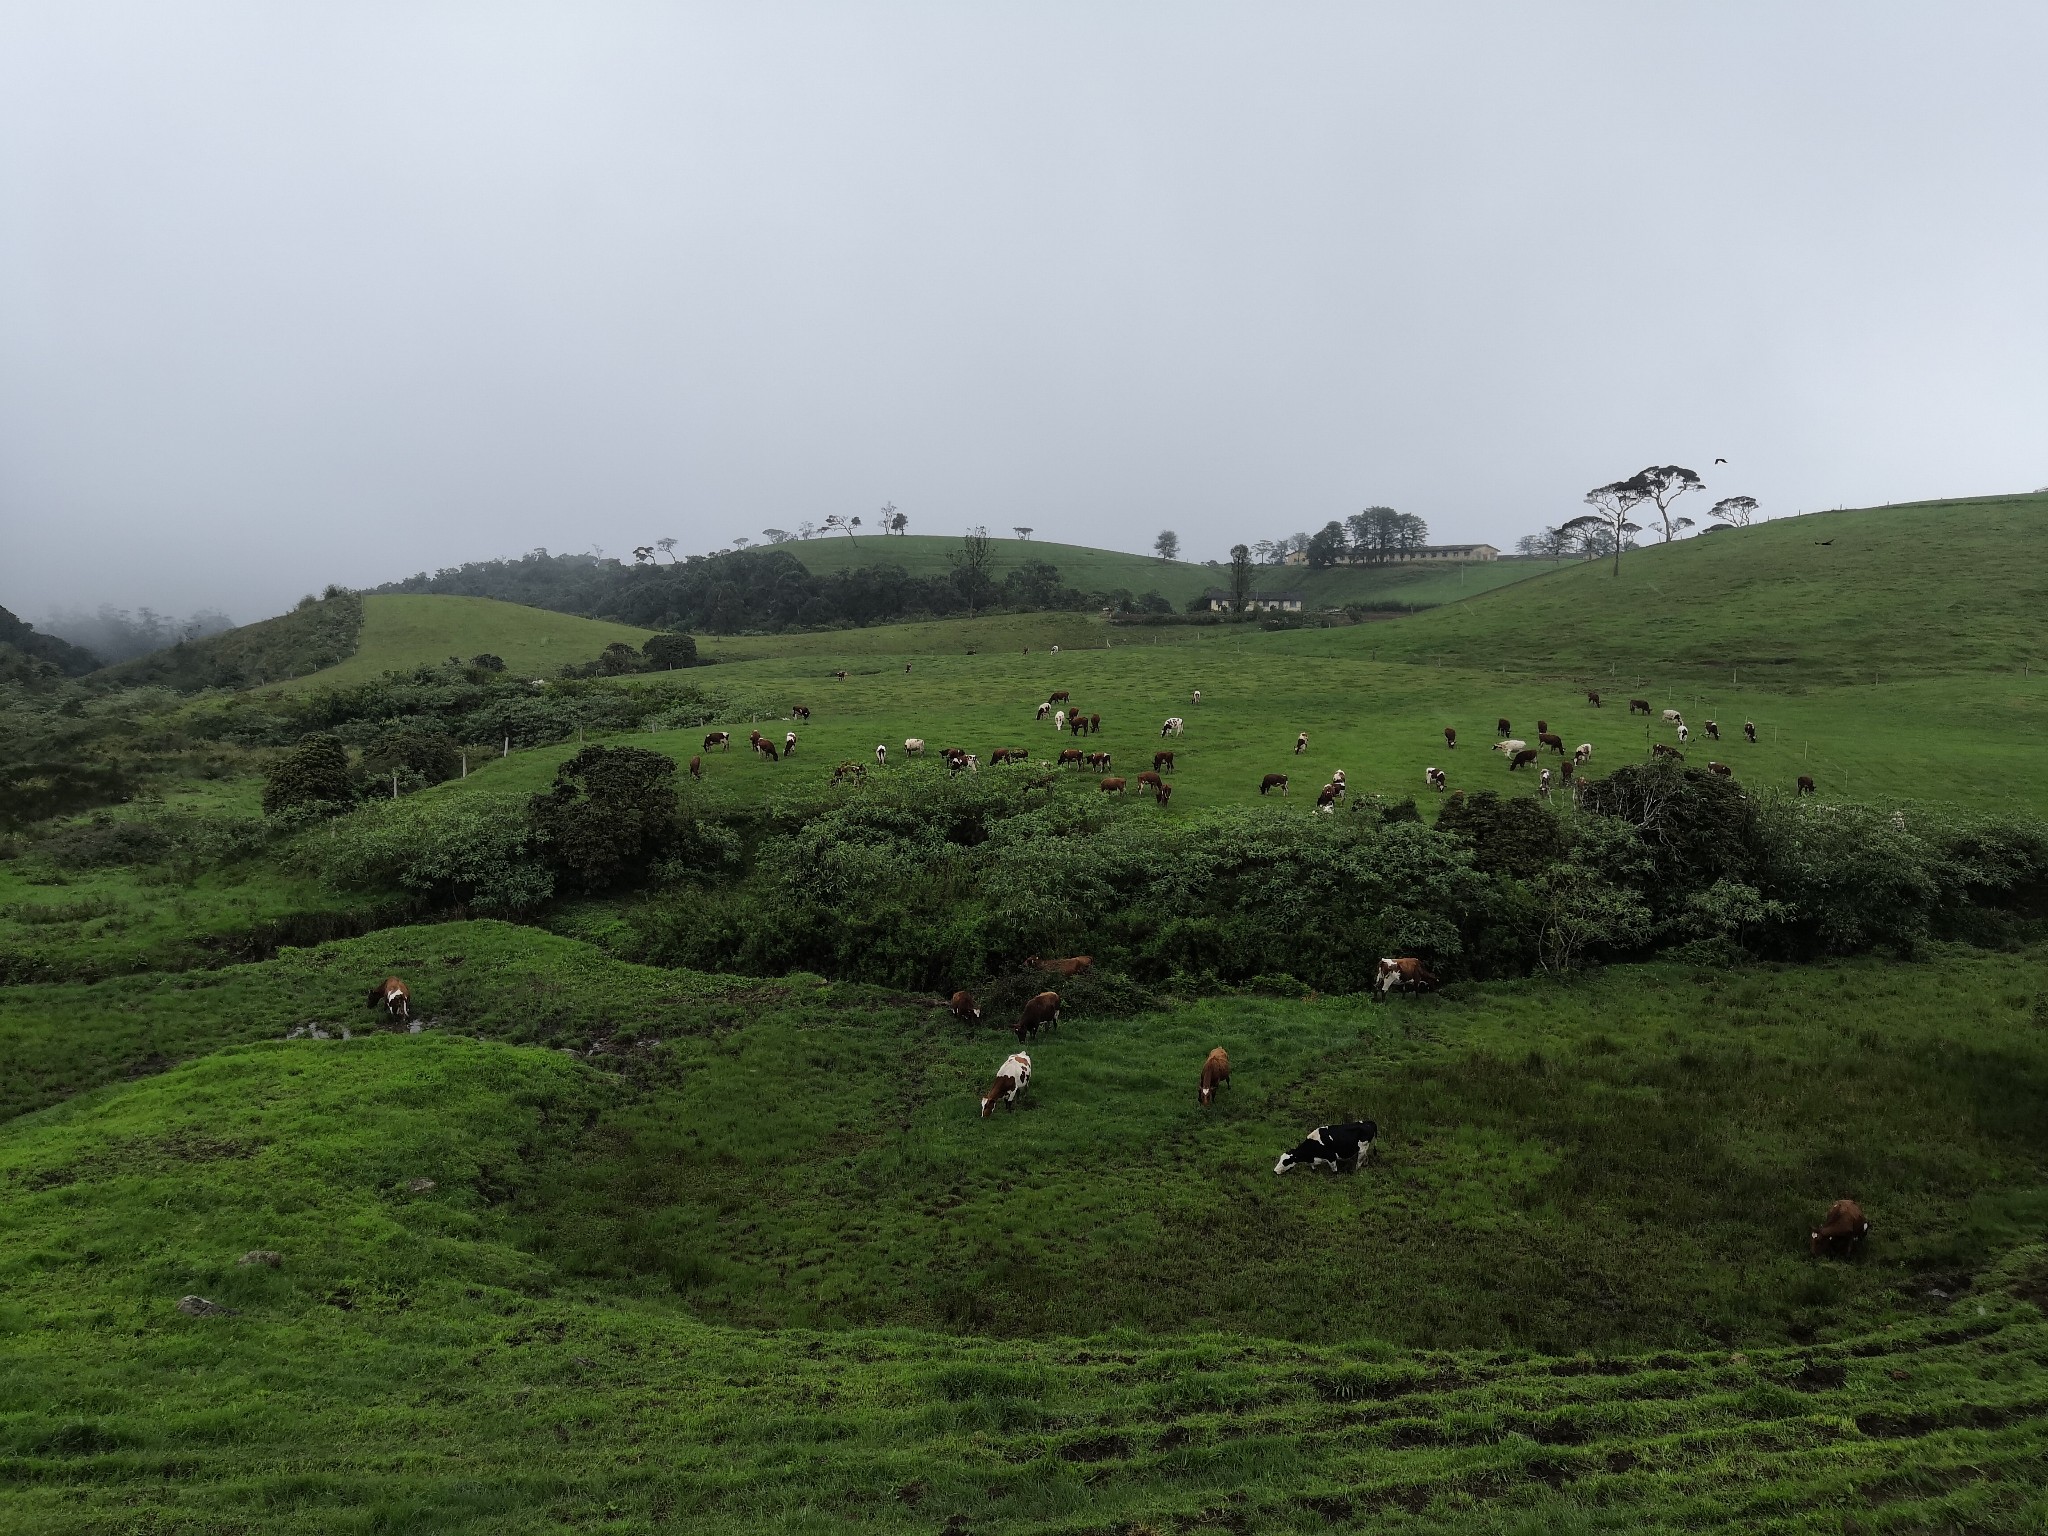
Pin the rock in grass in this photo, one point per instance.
(420, 1186)
(199, 1306)
(261, 1256)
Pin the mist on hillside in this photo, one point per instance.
(118, 634)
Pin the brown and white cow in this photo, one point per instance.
(1215, 1074)
(1042, 1012)
(1326, 798)
(1405, 972)
(719, 739)
(1841, 1230)
(1163, 793)
(1301, 744)
(1722, 770)
(1044, 710)
(1543, 784)
(1172, 725)
(1273, 781)
(800, 712)
(964, 1008)
(1148, 780)
(1749, 730)
(1012, 1078)
(1450, 738)
(1070, 755)
(766, 748)
(1435, 779)
(1712, 728)
(1584, 755)
(1658, 749)
(394, 996)
(1593, 697)
(789, 743)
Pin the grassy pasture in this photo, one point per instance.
(533, 1342)
(401, 631)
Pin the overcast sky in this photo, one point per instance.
(292, 294)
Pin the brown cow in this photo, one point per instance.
(1722, 769)
(1215, 1074)
(696, 767)
(1551, 740)
(1074, 965)
(720, 739)
(1570, 766)
(1273, 781)
(1161, 760)
(1070, 755)
(1164, 794)
(1522, 759)
(1041, 1012)
(394, 996)
(1326, 797)
(1058, 698)
(1000, 755)
(1806, 785)
(766, 748)
(1094, 725)
(1593, 697)
(1403, 972)
(1841, 1230)
(963, 1007)
(1639, 707)
(1148, 780)
(1112, 786)
(1504, 728)
(1451, 736)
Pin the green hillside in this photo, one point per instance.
(1926, 589)
(406, 631)
(318, 634)
(1107, 570)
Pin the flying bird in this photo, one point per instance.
(1720, 461)
(1823, 543)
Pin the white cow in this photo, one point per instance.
(1673, 717)
(1198, 695)
(1584, 755)
(881, 755)
(1012, 1078)
(913, 746)
(1510, 747)
(1173, 726)
(1059, 721)
(1683, 734)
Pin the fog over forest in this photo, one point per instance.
(300, 295)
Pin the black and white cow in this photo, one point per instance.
(1331, 1146)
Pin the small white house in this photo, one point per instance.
(1221, 601)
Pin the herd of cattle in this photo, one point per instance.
(1068, 720)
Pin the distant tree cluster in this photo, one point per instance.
(1372, 537)
(1611, 528)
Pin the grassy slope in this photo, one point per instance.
(1927, 589)
(401, 631)
(309, 639)
(522, 1346)
(1105, 570)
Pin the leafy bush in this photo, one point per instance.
(427, 757)
(610, 814)
(315, 772)
(476, 852)
(665, 653)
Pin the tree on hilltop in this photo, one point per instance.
(1327, 547)
(1167, 545)
(1734, 510)
(1610, 515)
(1663, 484)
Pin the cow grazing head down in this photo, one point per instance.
(1012, 1078)
(1215, 1074)
(393, 996)
(1331, 1147)
(1841, 1230)
(965, 1008)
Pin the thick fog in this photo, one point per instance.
(299, 294)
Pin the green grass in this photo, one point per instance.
(535, 1341)
(404, 631)
(1928, 589)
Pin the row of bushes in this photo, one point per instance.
(935, 883)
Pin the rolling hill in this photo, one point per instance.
(405, 631)
(1926, 589)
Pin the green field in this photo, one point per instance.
(614, 1246)
(1108, 570)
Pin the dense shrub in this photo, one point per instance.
(420, 756)
(664, 653)
(315, 772)
(610, 814)
(477, 852)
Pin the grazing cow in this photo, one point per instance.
(1434, 778)
(1301, 744)
(964, 1008)
(789, 743)
(1096, 760)
(1749, 730)
(1000, 755)
(696, 767)
(1162, 759)
(1502, 728)
(1658, 749)
(881, 755)
(1593, 697)
(1673, 717)
(1683, 734)
(1509, 747)
(1198, 696)
(720, 739)
(1173, 725)
(1522, 759)
(1721, 769)
(1566, 768)
(766, 748)
(1055, 650)
(913, 746)
(1020, 754)
(1841, 1230)
(1541, 727)
(1713, 730)
(1584, 755)
(1061, 697)
(394, 996)
(1215, 1074)
(1163, 794)
(1112, 786)
(1450, 738)
(754, 740)
(1639, 706)
(1042, 1012)
(964, 762)
(1073, 965)
(1331, 1147)
(800, 712)
(1070, 755)
(1094, 725)
(1543, 784)
(850, 770)
(1273, 781)
(1806, 785)
(840, 674)
(1551, 740)
(1044, 710)
(1059, 720)
(1149, 780)
(1406, 972)
(1326, 798)
(1012, 1078)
